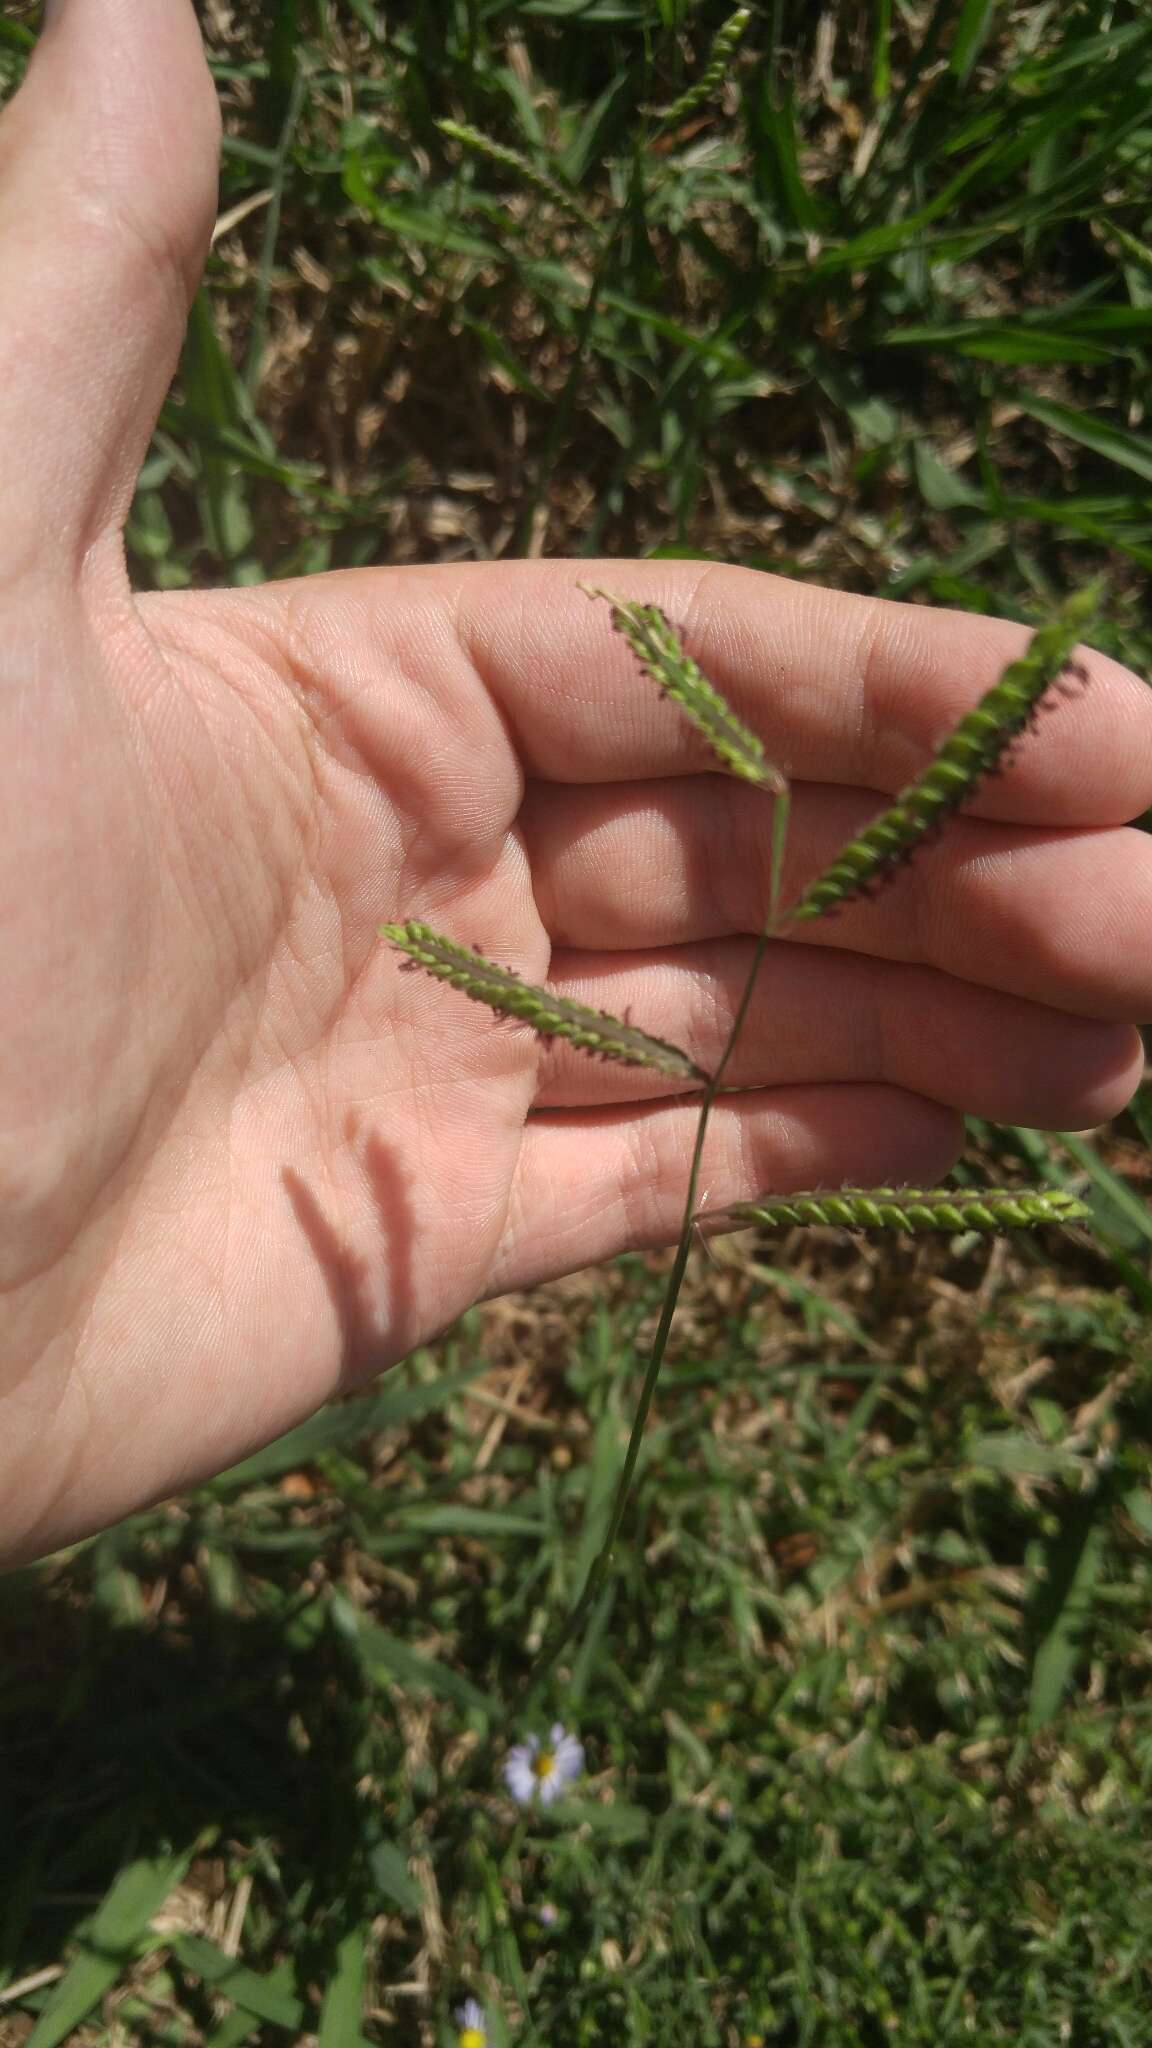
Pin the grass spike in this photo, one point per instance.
(658, 648)
(974, 750)
(511, 160)
(548, 1014)
(715, 69)
(909, 1209)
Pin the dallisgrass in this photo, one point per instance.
(974, 750)
(865, 1694)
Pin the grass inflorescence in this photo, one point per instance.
(975, 750)
(522, 168)
(660, 650)
(715, 71)
(547, 1014)
(912, 1209)
(865, 1700)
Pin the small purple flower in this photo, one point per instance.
(472, 2024)
(548, 1915)
(540, 1770)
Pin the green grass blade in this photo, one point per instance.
(392, 1877)
(1140, 1111)
(294, 88)
(1092, 430)
(1073, 517)
(284, 43)
(881, 49)
(1074, 1560)
(343, 2006)
(236, 2029)
(392, 1662)
(603, 1471)
(348, 1423)
(773, 126)
(109, 1944)
(1124, 1214)
(1116, 1233)
(971, 29)
(268, 1998)
(209, 386)
(459, 1519)
(1001, 341)
(603, 127)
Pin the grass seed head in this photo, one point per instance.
(973, 751)
(523, 168)
(715, 69)
(909, 1209)
(660, 651)
(548, 1014)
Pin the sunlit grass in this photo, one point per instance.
(864, 1703)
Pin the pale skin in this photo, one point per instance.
(244, 1159)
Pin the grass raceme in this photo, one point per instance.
(912, 1209)
(975, 749)
(549, 1015)
(660, 651)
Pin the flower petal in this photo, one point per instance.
(520, 1779)
(569, 1755)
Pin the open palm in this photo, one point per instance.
(243, 1156)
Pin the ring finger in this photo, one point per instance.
(1029, 912)
(819, 1016)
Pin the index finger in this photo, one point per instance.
(840, 688)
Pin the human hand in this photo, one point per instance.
(243, 1158)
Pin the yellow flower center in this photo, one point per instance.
(472, 2038)
(544, 1764)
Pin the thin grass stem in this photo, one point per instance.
(599, 1570)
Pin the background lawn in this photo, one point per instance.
(867, 1703)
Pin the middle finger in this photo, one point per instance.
(819, 1016)
(1030, 912)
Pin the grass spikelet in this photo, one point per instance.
(910, 1209)
(660, 651)
(974, 750)
(511, 160)
(715, 69)
(549, 1015)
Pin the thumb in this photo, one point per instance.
(108, 163)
